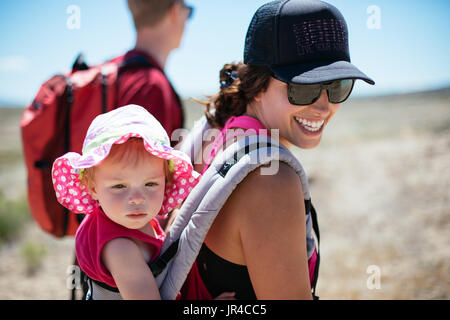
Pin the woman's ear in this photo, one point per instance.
(258, 97)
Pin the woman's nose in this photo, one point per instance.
(322, 105)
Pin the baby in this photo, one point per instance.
(127, 175)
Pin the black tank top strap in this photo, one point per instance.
(220, 275)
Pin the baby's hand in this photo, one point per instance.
(226, 296)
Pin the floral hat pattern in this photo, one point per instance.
(116, 127)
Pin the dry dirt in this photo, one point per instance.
(379, 182)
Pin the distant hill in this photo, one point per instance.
(442, 93)
(9, 104)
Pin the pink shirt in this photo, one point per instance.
(95, 231)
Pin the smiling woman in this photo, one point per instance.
(296, 73)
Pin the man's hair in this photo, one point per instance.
(149, 12)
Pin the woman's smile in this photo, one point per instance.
(310, 127)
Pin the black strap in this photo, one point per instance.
(310, 208)
(160, 263)
(104, 286)
(239, 154)
(42, 165)
(315, 223)
(69, 102)
(317, 232)
(79, 63)
(104, 92)
(136, 62)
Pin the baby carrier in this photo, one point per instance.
(188, 231)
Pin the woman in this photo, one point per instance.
(295, 75)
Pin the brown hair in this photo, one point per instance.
(149, 12)
(133, 153)
(235, 95)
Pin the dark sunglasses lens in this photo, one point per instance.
(303, 94)
(306, 94)
(339, 91)
(191, 11)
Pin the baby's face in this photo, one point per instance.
(130, 194)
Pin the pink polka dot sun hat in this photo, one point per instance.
(116, 127)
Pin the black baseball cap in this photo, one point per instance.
(302, 41)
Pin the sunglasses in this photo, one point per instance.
(305, 94)
(190, 10)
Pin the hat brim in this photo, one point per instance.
(72, 194)
(311, 73)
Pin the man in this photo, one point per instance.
(159, 29)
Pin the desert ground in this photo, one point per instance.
(379, 181)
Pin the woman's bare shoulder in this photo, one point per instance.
(272, 228)
(267, 195)
(275, 186)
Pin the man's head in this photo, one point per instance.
(149, 12)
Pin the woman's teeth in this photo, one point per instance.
(310, 125)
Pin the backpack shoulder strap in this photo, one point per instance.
(207, 198)
(136, 62)
(79, 63)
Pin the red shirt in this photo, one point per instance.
(150, 88)
(95, 231)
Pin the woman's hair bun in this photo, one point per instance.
(239, 84)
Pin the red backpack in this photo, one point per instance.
(56, 122)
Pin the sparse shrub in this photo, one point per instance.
(33, 253)
(13, 215)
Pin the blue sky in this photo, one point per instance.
(410, 51)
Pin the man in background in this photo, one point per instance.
(159, 29)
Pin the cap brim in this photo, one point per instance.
(310, 73)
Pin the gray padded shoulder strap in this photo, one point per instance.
(205, 201)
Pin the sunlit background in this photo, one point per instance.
(403, 44)
(379, 179)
